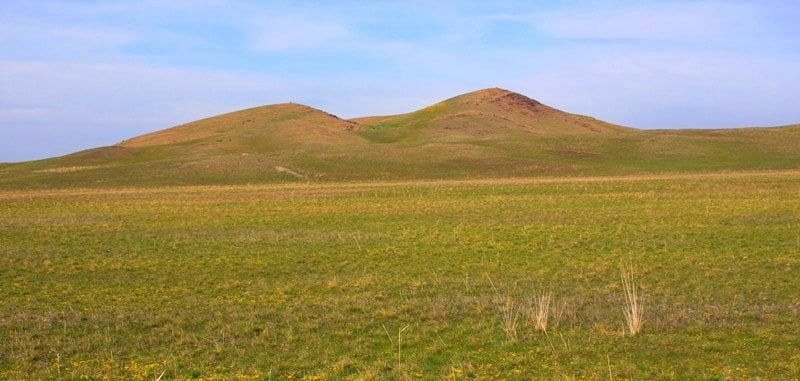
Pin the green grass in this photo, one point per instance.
(305, 281)
(513, 154)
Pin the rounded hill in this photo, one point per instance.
(485, 114)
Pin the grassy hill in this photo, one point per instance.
(261, 129)
(242, 146)
(491, 114)
(483, 134)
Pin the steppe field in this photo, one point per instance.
(443, 280)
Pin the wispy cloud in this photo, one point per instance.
(36, 38)
(641, 21)
(115, 101)
(280, 32)
(672, 89)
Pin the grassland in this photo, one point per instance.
(315, 281)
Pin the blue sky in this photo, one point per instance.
(80, 74)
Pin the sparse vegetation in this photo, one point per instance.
(299, 280)
(509, 318)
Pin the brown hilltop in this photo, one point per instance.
(486, 114)
(520, 111)
(505, 99)
(282, 124)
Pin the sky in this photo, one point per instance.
(81, 74)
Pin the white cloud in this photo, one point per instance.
(32, 36)
(15, 114)
(278, 32)
(649, 21)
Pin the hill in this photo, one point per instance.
(266, 128)
(483, 134)
(242, 146)
(488, 114)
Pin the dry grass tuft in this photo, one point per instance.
(539, 311)
(634, 314)
(509, 318)
(509, 313)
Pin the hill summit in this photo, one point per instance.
(287, 124)
(505, 99)
(489, 113)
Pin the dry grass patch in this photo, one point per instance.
(634, 312)
(539, 310)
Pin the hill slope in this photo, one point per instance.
(257, 144)
(487, 133)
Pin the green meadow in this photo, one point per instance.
(404, 280)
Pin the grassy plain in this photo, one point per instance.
(316, 281)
